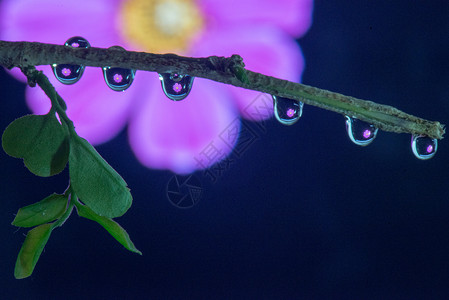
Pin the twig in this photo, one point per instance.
(221, 69)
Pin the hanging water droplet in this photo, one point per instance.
(118, 79)
(361, 133)
(66, 73)
(176, 86)
(287, 111)
(424, 147)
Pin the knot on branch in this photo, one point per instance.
(24, 54)
(232, 66)
(226, 64)
(31, 73)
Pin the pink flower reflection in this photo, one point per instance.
(66, 72)
(162, 133)
(177, 87)
(291, 112)
(118, 78)
(367, 133)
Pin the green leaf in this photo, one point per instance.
(95, 182)
(31, 250)
(44, 211)
(110, 225)
(240, 73)
(40, 140)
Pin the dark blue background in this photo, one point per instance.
(303, 214)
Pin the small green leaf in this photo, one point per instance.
(240, 73)
(110, 225)
(31, 250)
(40, 140)
(44, 211)
(95, 182)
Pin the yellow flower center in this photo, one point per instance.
(160, 26)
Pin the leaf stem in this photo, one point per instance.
(228, 70)
(66, 215)
(57, 103)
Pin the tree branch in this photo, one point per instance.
(221, 69)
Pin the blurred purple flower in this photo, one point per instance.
(162, 133)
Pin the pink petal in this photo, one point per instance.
(264, 49)
(54, 21)
(17, 74)
(292, 16)
(97, 112)
(174, 135)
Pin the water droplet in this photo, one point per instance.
(118, 79)
(77, 42)
(287, 111)
(69, 74)
(361, 133)
(424, 147)
(176, 86)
